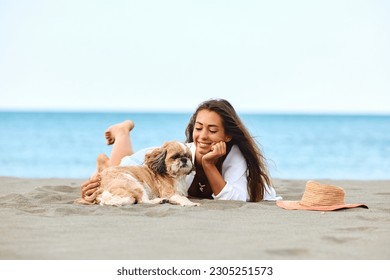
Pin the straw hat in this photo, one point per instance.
(319, 197)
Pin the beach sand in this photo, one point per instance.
(40, 221)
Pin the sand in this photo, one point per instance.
(40, 221)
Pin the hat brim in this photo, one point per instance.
(296, 205)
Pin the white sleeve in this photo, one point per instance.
(234, 170)
(270, 194)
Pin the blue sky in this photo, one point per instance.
(263, 56)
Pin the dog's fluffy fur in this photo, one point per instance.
(160, 179)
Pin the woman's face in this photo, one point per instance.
(208, 130)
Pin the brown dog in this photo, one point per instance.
(160, 179)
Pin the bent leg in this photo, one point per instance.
(102, 162)
(118, 135)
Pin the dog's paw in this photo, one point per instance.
(192, 204)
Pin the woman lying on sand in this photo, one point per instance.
(229, 164)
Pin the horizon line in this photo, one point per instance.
(177, 111)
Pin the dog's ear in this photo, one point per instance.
(155, 160)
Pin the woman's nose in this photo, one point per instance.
(203, 134)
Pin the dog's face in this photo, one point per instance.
(173, 159)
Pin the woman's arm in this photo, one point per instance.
(217, 182)
(234, 172)
(232, 183)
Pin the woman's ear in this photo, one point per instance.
(228, 138)
(155, 160)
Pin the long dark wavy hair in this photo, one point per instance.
(257, 170)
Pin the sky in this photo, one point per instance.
(150, 55)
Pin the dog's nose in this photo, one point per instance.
(183, 160)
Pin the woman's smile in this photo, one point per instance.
(204, 145)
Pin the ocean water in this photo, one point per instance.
(65, 145)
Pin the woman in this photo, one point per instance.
(229, 164)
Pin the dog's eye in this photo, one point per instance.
(175, 156)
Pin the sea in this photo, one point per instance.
(296, 146)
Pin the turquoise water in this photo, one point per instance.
(48, 145)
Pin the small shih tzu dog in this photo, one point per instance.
(160, 179)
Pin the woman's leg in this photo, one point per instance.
(118, 135)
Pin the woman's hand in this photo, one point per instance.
(217, 150)
(90, 186)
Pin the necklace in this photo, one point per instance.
(201, 187)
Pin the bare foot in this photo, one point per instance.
(112, 131)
